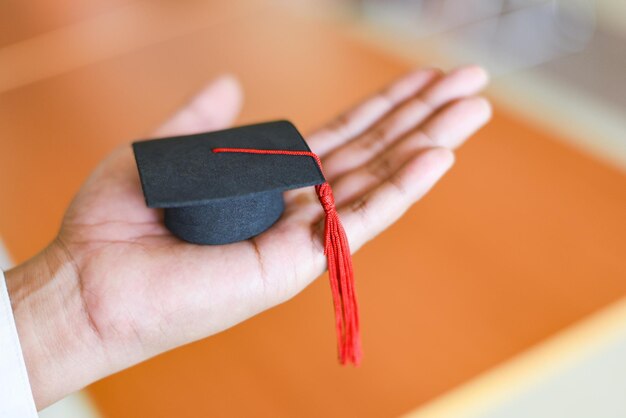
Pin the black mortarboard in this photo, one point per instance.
(216, 188)
(212, 198)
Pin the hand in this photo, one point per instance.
(115, 287)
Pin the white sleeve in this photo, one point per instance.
(16, 398)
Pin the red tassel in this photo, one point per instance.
(339, 260)
(341, 276)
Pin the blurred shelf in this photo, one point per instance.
(570, 80)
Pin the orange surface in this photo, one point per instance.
(524, 237)
(22, 20)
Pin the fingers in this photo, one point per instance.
(457, 122)
(357, 120)
(377, 210)
(450, 127)
(459, 83)
(215, 107)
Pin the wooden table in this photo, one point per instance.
(524, 237)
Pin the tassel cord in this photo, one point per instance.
(339, 259)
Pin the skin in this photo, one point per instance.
(115, 288)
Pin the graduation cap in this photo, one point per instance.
(227, 186)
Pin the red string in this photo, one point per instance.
(339, 259)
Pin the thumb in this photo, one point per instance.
(113, 191)
(215, 107)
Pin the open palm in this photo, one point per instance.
(143, 291)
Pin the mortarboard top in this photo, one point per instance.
(212, 198)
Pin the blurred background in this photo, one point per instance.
(501, 294)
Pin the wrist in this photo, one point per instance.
(60, 350)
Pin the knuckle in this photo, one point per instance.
(424, 104)
(359, 207)
(380, 169)
(374, 141)
(398, 185)
(425, 138)
(341, 126)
